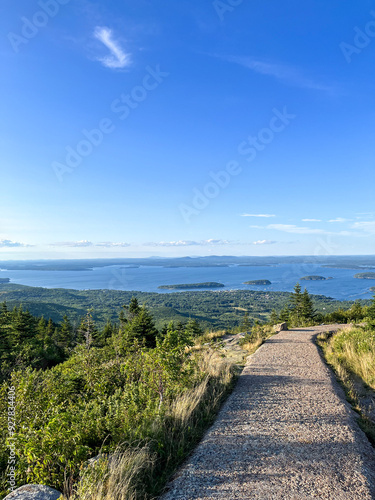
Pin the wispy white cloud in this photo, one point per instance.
(340, 220)
(85, 243)
(285, 73)
(82, 243)
(366, 226)
(12, 244)
(110, 244)
(258, 215)
(264, 242)
(311, 220)
(118, 58)
(187, 243)
(291, 228)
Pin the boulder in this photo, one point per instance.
(34, 492)
(280, 327)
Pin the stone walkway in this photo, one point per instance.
(286, 432)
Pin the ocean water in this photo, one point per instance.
(283, 277)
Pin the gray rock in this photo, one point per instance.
(34, 492)
(280, 327)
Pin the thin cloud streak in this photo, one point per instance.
(282, 72)
(187, 243)
(110, 244)
(118, 58)
(258, 215)
(291, 228)
(340, 220)
(73, 244)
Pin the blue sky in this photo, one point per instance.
(187, 128)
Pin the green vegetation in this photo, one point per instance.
(134, 393)
(258, 282)
(188, 286)
(139, 396)
(299, 311)
(365, 276)
(315, 278)
(216, 309)
(351, 353)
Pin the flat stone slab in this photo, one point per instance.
(33, 492)
(286, 432)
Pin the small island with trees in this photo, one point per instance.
(365, 276)
(258, 282)
(315, 278)
(192, 286)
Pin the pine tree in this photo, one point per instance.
(134, 308)
(284, 316)
(140, 328)
(307, 307)
(193, 328)
(63, 336)
(296, 305)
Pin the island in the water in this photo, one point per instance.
(372, 289)
(4, 280)
(365, 276)
(258, 282)
(316, 278)
(191, 286)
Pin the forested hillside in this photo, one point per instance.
(213, 309)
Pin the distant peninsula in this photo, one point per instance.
(4, 280)
(191, 286)
(365, 276)
(257, 282)
(315, 278)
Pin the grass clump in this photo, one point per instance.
(351, 354)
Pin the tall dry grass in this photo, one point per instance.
(351, 354)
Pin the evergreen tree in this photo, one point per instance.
(63, 335)
(140, 328)
(284, 316)
(134, 308)
(307, 307)
(193, 328)
(296, 315)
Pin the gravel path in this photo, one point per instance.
(286, 432)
